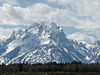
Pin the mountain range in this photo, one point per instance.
(42, 43)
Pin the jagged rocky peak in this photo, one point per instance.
(16, 32)
(44, 26)
(46, 32)
(41, 30)
(97, 42)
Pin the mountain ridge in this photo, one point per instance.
(42, 43)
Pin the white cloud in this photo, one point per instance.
(52, 0)
(81, 14)
(82, 8)
(4, 33)
(42, 12)
(38, 12)
(22, 16)
(12, 2)
(81, 37)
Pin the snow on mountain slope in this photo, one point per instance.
(42, 43)
(95, 52)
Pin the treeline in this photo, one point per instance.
(51, 67)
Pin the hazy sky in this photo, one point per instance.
(80, 17)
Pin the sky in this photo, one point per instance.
(80, 19)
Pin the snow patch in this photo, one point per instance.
(87, 58)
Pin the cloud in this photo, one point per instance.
(80, 14)
(12, 2)
(52, 0)
(83, 9)
(81, 37)
(22, 16)
(9, 14)
(77, 13)
(4, 33)
(38, 12)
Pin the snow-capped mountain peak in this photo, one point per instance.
(42, 43)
